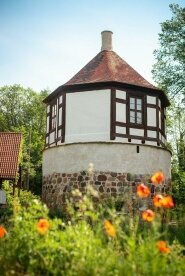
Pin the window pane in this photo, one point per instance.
(139, 103)
(132, 117)
(132, 103)
(132, 100)
(139, 118)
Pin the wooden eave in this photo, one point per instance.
(105, 85)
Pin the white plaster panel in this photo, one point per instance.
(160, 119)
(88, 116)
(48, 108)
(59, 133)
(121, 94)
(151, 116)
(121, 139)
(52, 145)
(120, 130)
(152, 143)
(151, 133)
(136, 131)
(52, 137)
(159, 101)
(135, 141)
(46, 140)
(47, 124)
(59, 143)
(60, 99)
(76, 157)
(60, 117)
(151, 100)
(121, 112)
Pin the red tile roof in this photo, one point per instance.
(9, 154)
(108, 66)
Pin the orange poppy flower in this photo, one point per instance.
(167, 202)
(157, 178)
(109, 228)
(158, 200)
(43, 226)
(142, 190)
(2, 232)
(148, 215)
(162, 246)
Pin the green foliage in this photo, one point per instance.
(178, 187)
(80, 245)
(169, 69)
(169, 72)
(22, 110)
(176, 134)
(24, 199)
(177, 230)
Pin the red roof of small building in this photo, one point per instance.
(107, 66)
(10, 143)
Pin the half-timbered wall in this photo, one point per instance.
(128, 116)
(138, 118)
(55, 122)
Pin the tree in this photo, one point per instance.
(176, 134)
(22, 110)
(169, 74)
(169, 70)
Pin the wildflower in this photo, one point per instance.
(162, 246)
(148, 215)
(109, 228)
(157, 178)
(43, 226)
(142, 190)
(2, 232)
(158, 200)
(167, 202)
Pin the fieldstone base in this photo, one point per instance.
(57, 187)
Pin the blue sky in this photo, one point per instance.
(43, 43)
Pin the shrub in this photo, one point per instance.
(93, 240)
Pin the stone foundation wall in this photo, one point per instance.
(58, 186)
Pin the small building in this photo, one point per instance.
(10, 148)
(108, 115)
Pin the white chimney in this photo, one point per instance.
(106, 40)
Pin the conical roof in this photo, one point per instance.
(107, 66)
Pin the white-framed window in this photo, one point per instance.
(135, 110)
